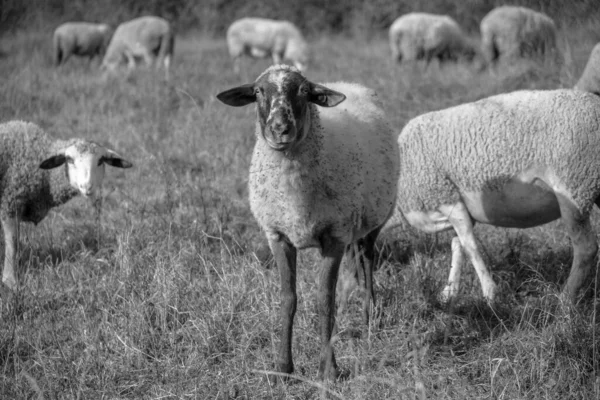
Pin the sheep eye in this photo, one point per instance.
(304, 90)
(258, 90)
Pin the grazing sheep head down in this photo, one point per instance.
(85, 165)
(282, 96)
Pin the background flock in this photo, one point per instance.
(329, 170)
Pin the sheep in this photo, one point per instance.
(261, 38)
(28, 191)
(590, 78)
(519, 159)
(148, 38)
(80, 39)
(418, 36)
(509, 31)
(321, 176)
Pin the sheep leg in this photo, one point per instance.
(10, 226)
(458, 260)
(284, 254)
(367, 263)
(459, 217)
(585, 246)
(332, 251)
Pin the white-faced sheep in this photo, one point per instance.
(321, 176)
(28, 190)
(519, 160)
(509, 31)
(261, 38)
(149, 39)
(590, 78)
(81, 39)
(422, 36)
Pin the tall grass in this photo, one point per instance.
(172, 294)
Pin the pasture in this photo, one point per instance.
(171, 293)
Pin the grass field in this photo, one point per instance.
(172, 294)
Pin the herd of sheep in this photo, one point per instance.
(329, 171)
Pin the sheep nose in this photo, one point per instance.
(86, 190)
(279, 128)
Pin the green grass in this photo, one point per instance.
(172, 294)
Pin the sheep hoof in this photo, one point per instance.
(282, 374)
(448, 294)
(10, 282)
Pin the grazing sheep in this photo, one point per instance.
(519, 160)
(510, 31)
(321, 176)
(590, 78)
(261, 38)
(80, 39)
(149, 38)
(418, 36)
(28, 191)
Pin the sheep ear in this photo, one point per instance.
(324, 97)
(113, 159)
(238, 96)
(53, 162)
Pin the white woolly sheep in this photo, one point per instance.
(81, 39)
(149, 38)
(519, 160)
(28, 191)
(418, 36)
(261, 38)
(509, 31)
(321, 176)
(590, 78)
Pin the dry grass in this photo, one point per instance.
(172, 294)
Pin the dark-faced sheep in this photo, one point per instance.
(324, 175)
(518, 160)
(590, 78)
(82, 39)
(31, 182)
(422, 36)
(261, 38)
(149, 39)
(508, 32)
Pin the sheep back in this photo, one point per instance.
(25, 189)
(480, 146)
(341, 178)
(590, 78)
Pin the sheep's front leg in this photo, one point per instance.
(284, 254)
(11, 240)
(332, 252)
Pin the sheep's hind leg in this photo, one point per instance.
(459, 217)
(10, 226)
(367, 265)
(284, 254)
(332, 251)
(458, 260)
(585, 246)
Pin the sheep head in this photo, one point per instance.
(85, 164)
(282, 96)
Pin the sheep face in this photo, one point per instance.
(85, 165)
(282, 95)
